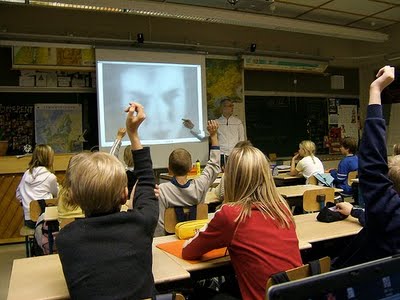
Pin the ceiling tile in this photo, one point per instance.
(361, 7)
(392, 14)
(288, 10)
(371, 24)
(304, 2)
(330, 17)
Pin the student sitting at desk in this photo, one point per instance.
(381, 235)
(255, 223)
(219, 190)
(348, 164)
(108, 254)
(308, 163)
(183, 192)
(38, 181)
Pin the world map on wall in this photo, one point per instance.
(60, 126)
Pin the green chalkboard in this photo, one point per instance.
(279, 124)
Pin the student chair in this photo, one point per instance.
(312, 180)
(29, 233)
(349, 197)
(171, 217)
(311, 197)
(315, 267)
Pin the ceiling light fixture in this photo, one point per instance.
(210, 15)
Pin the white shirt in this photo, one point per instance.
(309, 165)
(230, 132)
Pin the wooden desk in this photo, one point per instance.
(310, 230)
(298, 190)
(222, 261)
(283, 179)
(52, 283)
(51, 213)
(166, 267)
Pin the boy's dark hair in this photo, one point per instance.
(350, 144)
(180, 162)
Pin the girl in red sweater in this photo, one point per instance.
(255, 223)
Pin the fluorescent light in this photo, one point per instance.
(205, 14)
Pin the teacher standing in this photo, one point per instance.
(230, 130)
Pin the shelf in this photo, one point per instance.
(35, 89)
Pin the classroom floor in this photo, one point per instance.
(7, 255)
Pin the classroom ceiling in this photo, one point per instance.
(365, 20)
(365, 14)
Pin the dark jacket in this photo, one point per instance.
(381, 199)
(110, 256)
(380, 236)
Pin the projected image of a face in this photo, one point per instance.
(168, 92)
(161, 91)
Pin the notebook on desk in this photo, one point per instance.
(379, 279)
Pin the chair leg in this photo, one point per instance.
(27, 244)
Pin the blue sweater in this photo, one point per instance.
(346, 165)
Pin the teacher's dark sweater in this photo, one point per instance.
(110, 256)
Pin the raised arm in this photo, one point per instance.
(382, 201)
(145, 201)
(117, 143)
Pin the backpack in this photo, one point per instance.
(46, 232)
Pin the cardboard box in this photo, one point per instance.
(64, 81)
(51, 80)
(78, 82)
(26, 80)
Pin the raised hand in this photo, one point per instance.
(384, 77)
(135, 117)
(188, 123)
(121, 133)
(212, 127)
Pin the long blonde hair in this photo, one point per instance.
(248, 182)
(308, 148)
(42, 156)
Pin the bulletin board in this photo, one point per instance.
(17, 122)
(343, 122)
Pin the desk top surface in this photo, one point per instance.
(310, 230)
(51, 213)
(298, 190)
(166, 267)
(52, 282)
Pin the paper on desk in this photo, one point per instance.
(175, 248)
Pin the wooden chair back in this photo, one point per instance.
(170, 216)
(302, 272)
(66, 221)
(312, 180)
(36, 211)
(310, 203)
(352, 175)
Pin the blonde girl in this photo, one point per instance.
(255, 224)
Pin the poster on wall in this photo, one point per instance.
(65, 133)
(348, 121)
(53, 58)
(16, 124)
(224, 80)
